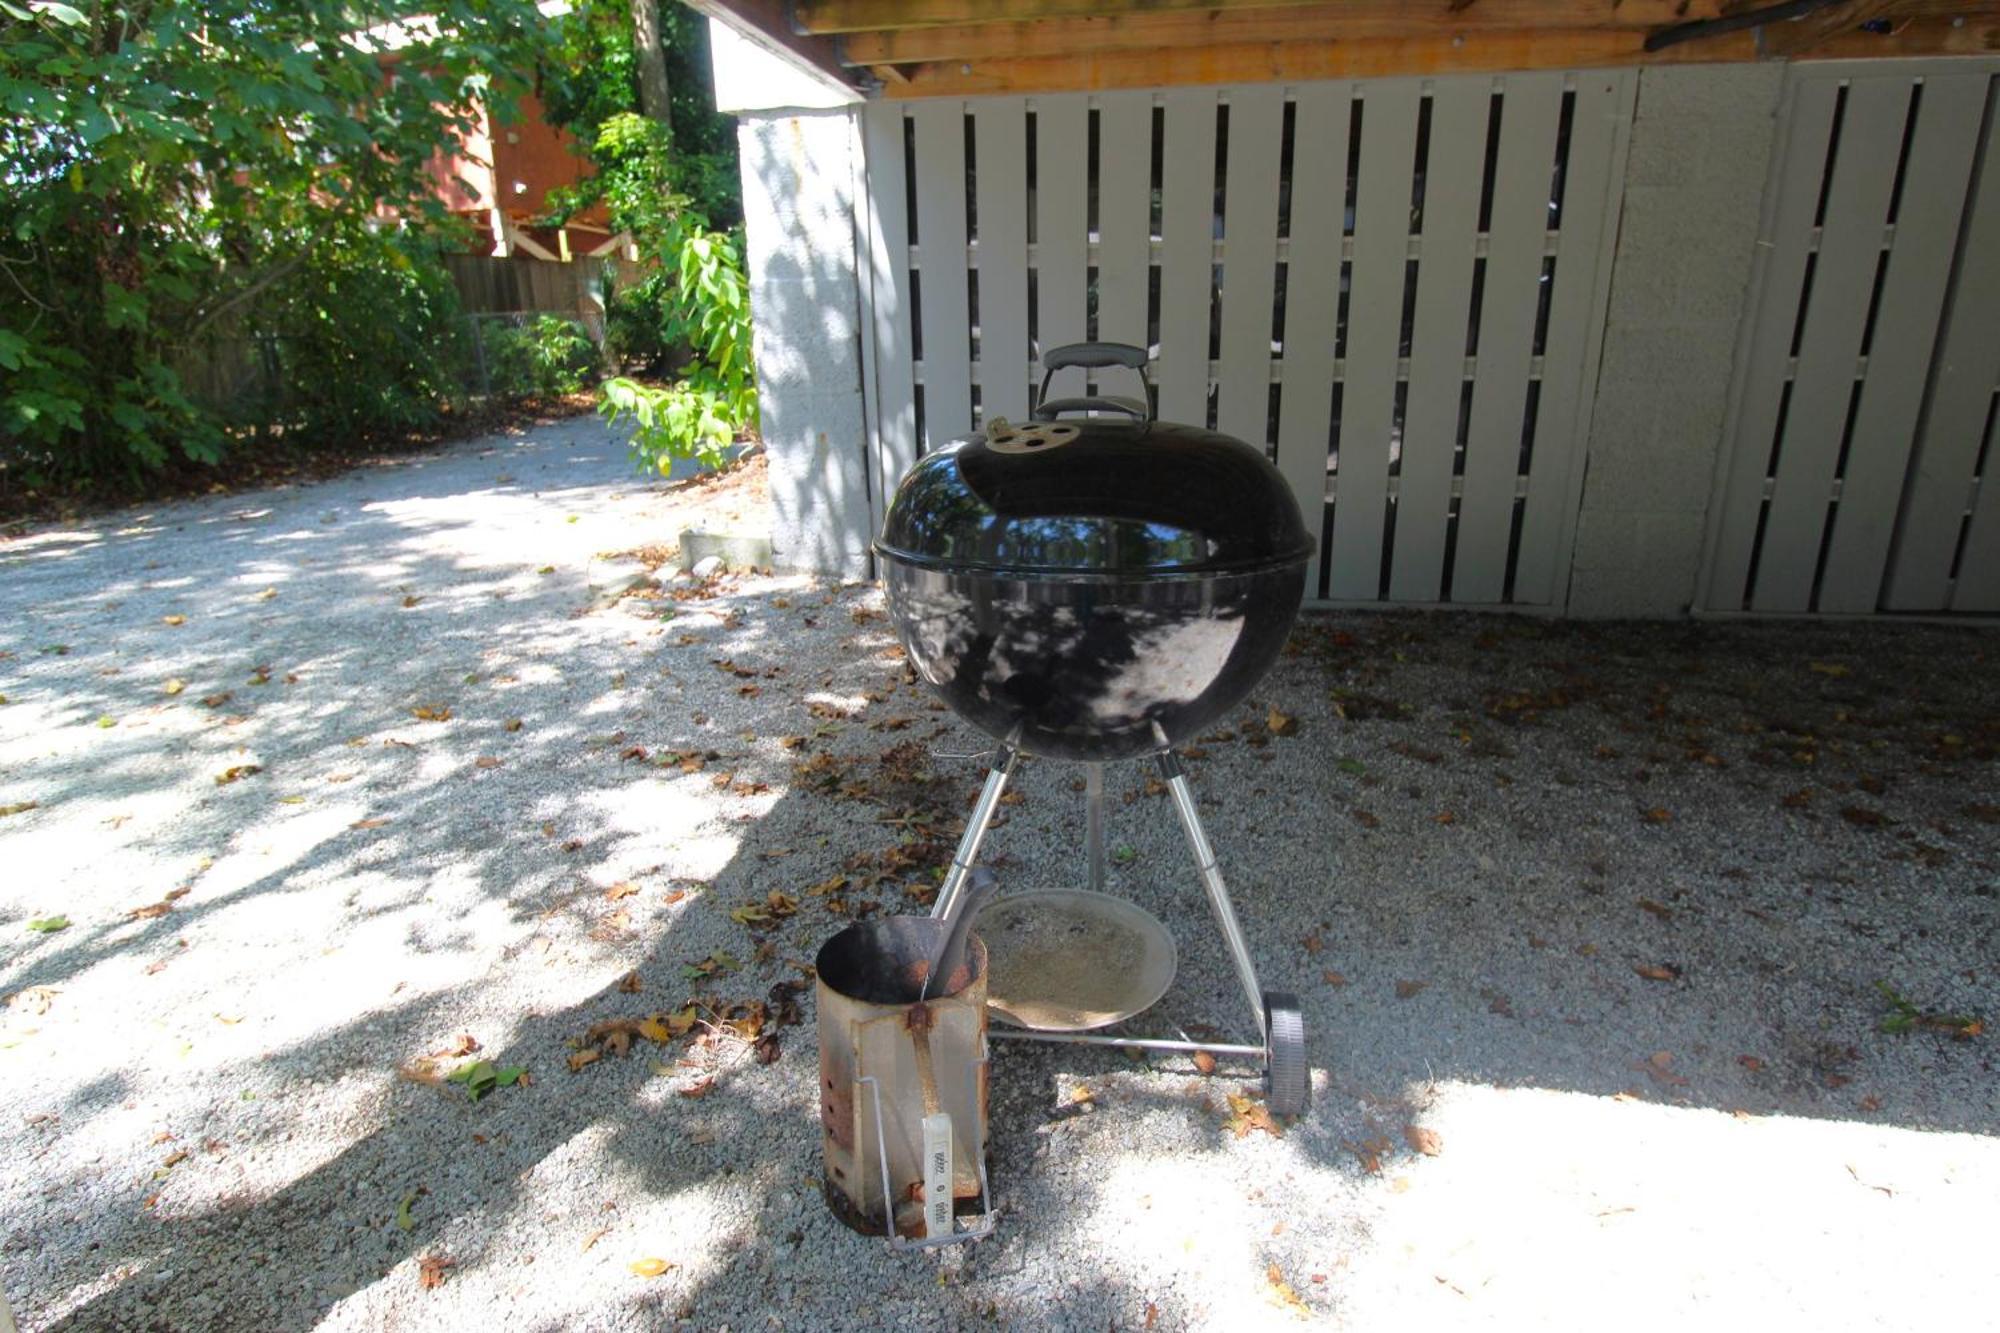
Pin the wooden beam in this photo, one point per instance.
(1975, 32)
(1269, 62)
(1357, 20)
(766, 23)
(830, 16)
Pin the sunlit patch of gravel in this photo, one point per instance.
(1473, 846)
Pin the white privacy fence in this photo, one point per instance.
(1395, 286)
(1861, 435)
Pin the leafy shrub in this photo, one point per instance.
(546, 358)
(178, 177)
(635, 325)
(400, 368)
(708, 307)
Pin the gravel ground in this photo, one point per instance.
(1588, 922)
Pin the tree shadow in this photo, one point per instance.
(1496, 948)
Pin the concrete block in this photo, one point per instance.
(1663, 475)
(1658, 159)
(733, 550)
(1635, 563)
(1641, 292)
(798, 188)
(1739, 95)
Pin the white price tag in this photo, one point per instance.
(937, 1175)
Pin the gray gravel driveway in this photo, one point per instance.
(333, 784)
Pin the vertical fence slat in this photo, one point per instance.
(1977, 587)
(1906, 326)
(1961, 393)
(1000, 144)
(1783, 245)
(1062, 219)
(865, 233)
(1187, 253)
(941, 246)
(1312, 299)
(889, 278)
(1124, 215)
(1531, 108)
(1437, 341)
(1374, 326)
(1603, 104)
(1250, 260)
(1850, 248)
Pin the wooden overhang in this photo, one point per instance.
(926, 48)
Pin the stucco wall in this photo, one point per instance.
(798, 204)
(1700, 149)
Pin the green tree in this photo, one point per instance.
(168, 170)
(669, 183)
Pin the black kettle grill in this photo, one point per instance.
(1101, 588)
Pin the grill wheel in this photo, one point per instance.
(1287, 1081)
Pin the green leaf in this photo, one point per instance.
(1354, 766)
(48, 925)
(403, 1218)
(61, 13)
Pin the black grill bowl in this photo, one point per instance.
(1098, 598)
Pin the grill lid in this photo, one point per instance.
(1095, 496)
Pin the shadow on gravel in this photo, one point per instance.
(1506, 852)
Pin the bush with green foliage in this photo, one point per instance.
(666, 184)
(701, 413)
(178, 175)
(369, 339)
(548, 357)
(588, 74)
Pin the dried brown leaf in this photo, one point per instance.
(1247, 1113)
(1281, 1291)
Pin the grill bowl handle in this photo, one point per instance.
(1094, 356)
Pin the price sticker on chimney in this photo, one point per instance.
(937, 1175)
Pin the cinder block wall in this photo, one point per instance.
(1694, 188)
(798, 203)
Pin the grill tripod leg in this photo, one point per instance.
(1093, 837)
(967, 854)
(1211, 880)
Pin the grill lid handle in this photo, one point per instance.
(1093, 356)
(1051, 408)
